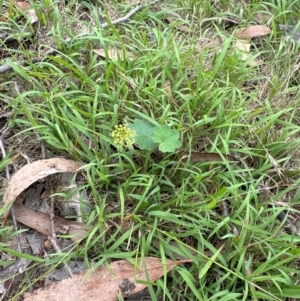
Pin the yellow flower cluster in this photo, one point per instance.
(123, 136)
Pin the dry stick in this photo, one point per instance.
(52, 238)
(12, 211)
(52, 51)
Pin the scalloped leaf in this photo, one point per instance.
(167, 138)
(143, 131)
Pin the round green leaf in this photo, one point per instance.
(143, 131)
(167, 138)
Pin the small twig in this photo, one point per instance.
(127, 17)
(6, 68)
(58, 249)
(3, 157)
(43, 147)
(52, 238)
(7, 114)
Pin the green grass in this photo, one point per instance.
(219, 104)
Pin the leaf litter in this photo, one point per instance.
(32, 172)
(252, 31)
(41, 222)
(35, 219)
(243, 41)
(121, 277)
(27, 10)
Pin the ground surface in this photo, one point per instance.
(222, 184)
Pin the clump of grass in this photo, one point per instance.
(149, 203)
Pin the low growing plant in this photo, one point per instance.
(147, 136)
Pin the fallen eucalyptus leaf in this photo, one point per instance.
(41, 222)
(105, 284)
(252, 31)
(206, 157)
(25, 8)
(32, 172)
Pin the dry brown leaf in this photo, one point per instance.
(252, 31)
(244, 47)
(206, 157)
(168, 88)
(181, 27)
(104, 284)
(40, 221)
(32, 172)
(115, 54)
(4, 17)
(29, 12)
(23, 5)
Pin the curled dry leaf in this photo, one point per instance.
(29, 12)
(121, 277)
(32, 172)
(115, 54)
(40, 221)
(252, 31)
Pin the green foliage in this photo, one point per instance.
(149, 136)
(143, 131)
(186, 88)
(166, 138)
